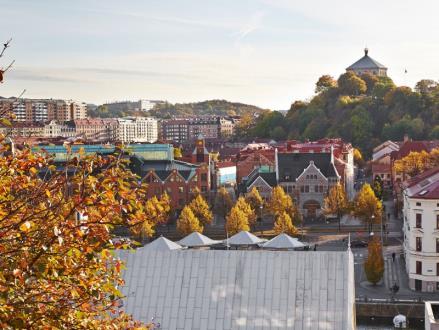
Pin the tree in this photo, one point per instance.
(188, 223)
(223, 202)
(374, 264)
(336, 203)
(358, 157)
(370, 81)
(56, 267)
(284, 224)
(201, 210)
(236, 221)
(367, 206)
(254, 199)
(378, 187)
(350, 84)
(412, 164)
(426, 86)
(177, 152)
(324, 83)
(245, 207)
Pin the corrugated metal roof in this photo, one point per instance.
(236, 289)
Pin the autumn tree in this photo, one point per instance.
(57, 270)
(374, 264)
(201, 210)
(236, 221)
(254, 199)
(223, 202)
(350, 84)
(282, 202)
(367, 207)
(336, 203)
(324, 83)
(177, 152)
(358, 157)
(284, 224)
(188, 223)
(245, 207)
(378, 187)
(417, 162)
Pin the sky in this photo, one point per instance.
(262, 52)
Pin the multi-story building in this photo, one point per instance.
(97, 129)
(40, 110)
(137, 129)
(181, 130)
(54, 129)
(146, 105)
(421, 230)
(23, 129)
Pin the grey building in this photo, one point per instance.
(240, 289)
(367, 64)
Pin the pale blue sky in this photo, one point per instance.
(263, 52)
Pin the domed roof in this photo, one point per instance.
(366, 62)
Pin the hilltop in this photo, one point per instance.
(168, 110)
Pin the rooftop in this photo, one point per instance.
(366, 62)
(240, 289)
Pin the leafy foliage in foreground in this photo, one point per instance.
(57, 270)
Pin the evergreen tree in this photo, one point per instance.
(374, 264)
(201, 210)
(284, 224)
(237, 221)
(188, 223)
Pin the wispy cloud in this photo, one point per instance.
(251, 25)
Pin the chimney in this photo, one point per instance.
(366, 50)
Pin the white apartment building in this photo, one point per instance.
(55, 129)
(421, 231)
(137, 129)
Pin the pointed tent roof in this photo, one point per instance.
(197, 239)
(366, 62)
(283, 241)
(163, 244)
(245, 238)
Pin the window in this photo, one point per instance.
(418, 204)
(418, 285)
(437, 269)
(419, 267)
(306, 189)
(418, 220)
(181, 202)
(203, 189)
(181, 190)
(316, 188)
(418, 244)
(321, 189)
(302, 189)
(204, 177)
(307, 177)
(437, 221)
(437, 245)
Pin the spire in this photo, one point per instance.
(332, 154)
(366, 50)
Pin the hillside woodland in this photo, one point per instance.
(364, 110)
(169, 110)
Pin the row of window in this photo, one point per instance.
(419, 220)
(419, 244)
(419, 268)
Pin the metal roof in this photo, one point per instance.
(366, 62)
(240, 289)
(283, 241)
(196, 239)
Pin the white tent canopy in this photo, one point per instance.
(283, 241)
(244, 238)
(196, 239)
(162, 244)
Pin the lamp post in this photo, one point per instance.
(371, 223)
(260, 219)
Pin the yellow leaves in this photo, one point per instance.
(284, 224)
(48, 194)
(188, 223)
(367, 206)
(26, 226)
(201, 209)
(236, 221)
(33, 170)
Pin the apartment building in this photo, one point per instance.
(97, 129)
(137, 129)
(40, 110)
(421, 230)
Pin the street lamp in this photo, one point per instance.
(260, 218)
(371, 224)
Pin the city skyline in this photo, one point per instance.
(266, 53)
